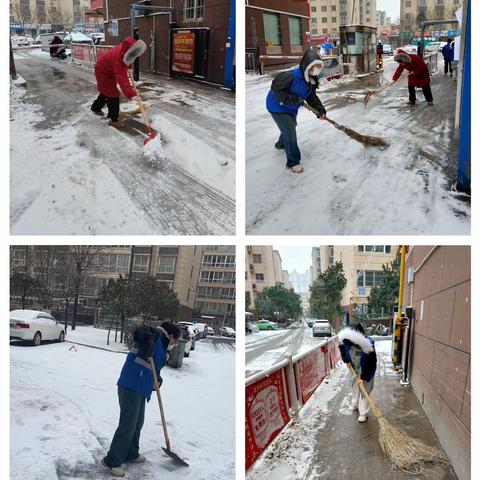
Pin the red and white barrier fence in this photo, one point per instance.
(274, 396)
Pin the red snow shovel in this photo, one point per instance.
(150, 133)
(373, 92)
(167, 450)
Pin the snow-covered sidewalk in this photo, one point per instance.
(64, 411)
(325, 441)
(348, 188)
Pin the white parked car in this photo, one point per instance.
(387, 49)
(321, 328)
(227, 332)
(21, 40)
(408, 49)
(77, 37)
(35, 326)
(433, 47)
(210, 331)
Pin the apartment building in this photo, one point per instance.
(178, 266)
(328, 15)
(215, 301)
(327, 257)
(286, 279)
(316, 267)
(362, 266)
(262, 269)
(42, 15)
(413, 12)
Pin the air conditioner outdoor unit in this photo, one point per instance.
(254, 286)
(252, 268)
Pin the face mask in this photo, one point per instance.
(316, 72)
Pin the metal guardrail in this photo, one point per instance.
(251, 60)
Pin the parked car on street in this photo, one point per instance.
(310, 322)
(210, 331)
(35, 326)
(21, 40)
(408, 49)
(227, 332)
(433, 47)
(387, 49)
(266, 325)
(76, 37)
(321, 328)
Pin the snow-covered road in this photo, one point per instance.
(64, 411)
(348, 188)
(264, 349)
(73, 174)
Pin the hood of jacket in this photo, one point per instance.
(356, 338)
(132, 49)
(310, 59)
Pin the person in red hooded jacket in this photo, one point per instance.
(419, 75)
(112, 70)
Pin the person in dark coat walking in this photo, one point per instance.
(57, 50)
(135, 385)
(358, 350)
(288, 92)
(112, 69)
(419, 75)
(448, 55)
(380, 54)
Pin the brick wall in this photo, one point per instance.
(441, 358)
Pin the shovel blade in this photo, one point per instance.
(175, 457)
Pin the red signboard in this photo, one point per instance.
(265, 414)
(312, 369)
(82, 52)
(183, 52)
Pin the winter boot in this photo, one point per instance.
(139, 459)
(430, 104)
(279, 147)
(362, 418)
(410, 104)
(353, 408)
(98, 112)
(115, 471)
(296, 169)
(118, 124)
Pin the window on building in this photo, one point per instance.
(323, 8)
(369, 278)
(140, 263)
(257, 258)
(314, 31)
(325, 30)
(324, 20)
(271, 24)
(334, 19)
(313, 9)
(259, 278)
(375, 248)
(166, 264)
(334, 8)
(194, 9)
(314, 21)
(440, 2)
(295, 29)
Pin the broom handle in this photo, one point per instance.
(160, 404)
(140, 102)
(374, 406)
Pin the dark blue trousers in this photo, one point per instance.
(287, 125)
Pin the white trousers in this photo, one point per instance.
(359, 400)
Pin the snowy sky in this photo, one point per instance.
(392, 7)
(297, 257)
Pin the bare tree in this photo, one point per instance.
(83, 258)
(45, 263)
(23, 14)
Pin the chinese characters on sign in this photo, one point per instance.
(183, 52)
(266, 414)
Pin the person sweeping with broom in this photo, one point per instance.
(419, 75)
(134, 387)
(288, 92)
(112, 69)
(358, 350)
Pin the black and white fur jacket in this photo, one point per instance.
(349, 337)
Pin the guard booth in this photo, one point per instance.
(189, 55)
(358, 44)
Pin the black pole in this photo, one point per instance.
(13, 70)
(136, 63)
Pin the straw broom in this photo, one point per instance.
(365, 139)
(374, 92)
(405, 452)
